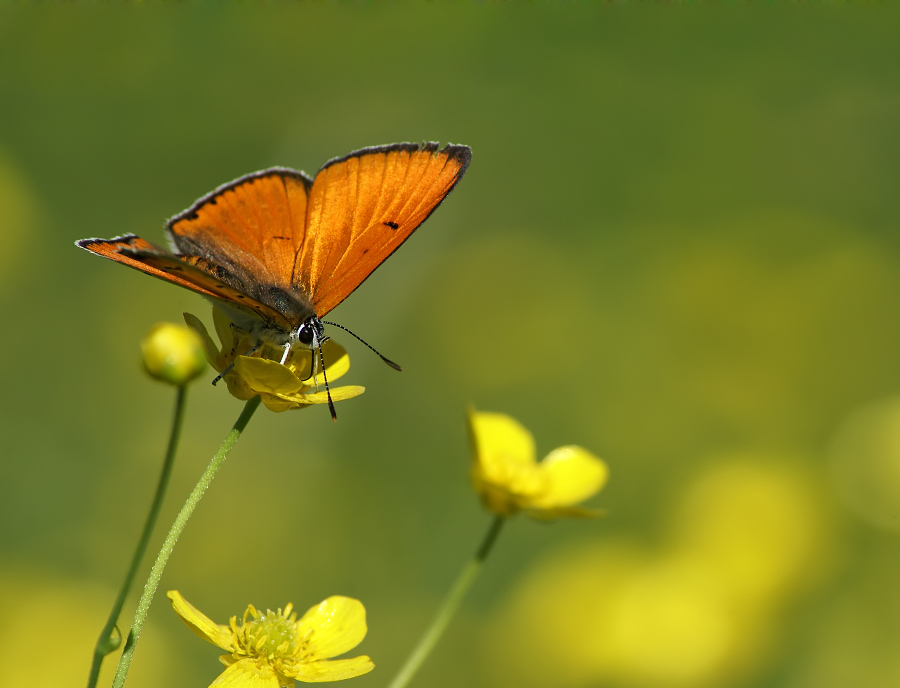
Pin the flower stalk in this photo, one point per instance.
(449, 606)
(174, 532)
(110, 638)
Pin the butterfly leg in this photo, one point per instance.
(287, 351)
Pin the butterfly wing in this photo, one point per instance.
(362, 207)
(253, 227)
(191, 272)
(109, 248)
(278, 245)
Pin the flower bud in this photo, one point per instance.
(173, 354)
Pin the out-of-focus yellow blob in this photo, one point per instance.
(614, 613)
(757, 522)
(702, 610)
(672, 625)
(50, 626)
(865, 458)
(559, 618)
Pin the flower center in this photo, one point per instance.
(522, 480)
(272, 635)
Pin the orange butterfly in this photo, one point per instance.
(277, 250)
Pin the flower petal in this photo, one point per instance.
(498, 438)
(555, 513)
(209, 346)
(337, 394)
(286, 402)
(337, 362)
(338, 624)
(573, 474)
(237, 387)
(247, 673)
(277, 405)
(263, 376)
(331, 669)
(201, 624)
(224, 329)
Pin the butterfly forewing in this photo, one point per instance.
(363, 207)
(253, 226)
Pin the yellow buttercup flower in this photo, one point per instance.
(281, 387)
(274, 649)
(508, 479)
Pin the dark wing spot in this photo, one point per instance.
(173, 268)
(282, 237)
(365, 251)
(392, 225)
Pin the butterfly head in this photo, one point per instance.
(310, 334)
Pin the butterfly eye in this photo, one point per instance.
(305, 334)
(311, 333)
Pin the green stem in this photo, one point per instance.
(448, 607)
(177, 527)
(106, 643)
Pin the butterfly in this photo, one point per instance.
(277, 250)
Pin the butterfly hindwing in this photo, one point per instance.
(110, 248)
(363, 206)
(212, 278)
(191, 272)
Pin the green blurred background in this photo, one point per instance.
(677, 245)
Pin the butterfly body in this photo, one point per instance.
(277, 249)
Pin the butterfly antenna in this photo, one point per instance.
(327, 390)
(393, 365)
(225, 372)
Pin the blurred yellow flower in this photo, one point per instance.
(757, 521)
(172, 353)
(273, 650)
(613, 613)
(282, 387)
(508, 479)
(746, 539)
(30, 596)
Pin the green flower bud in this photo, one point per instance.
(173, 354)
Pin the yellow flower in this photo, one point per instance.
(172, 353)
(508, 479)
(274, 649)
(281, 387)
